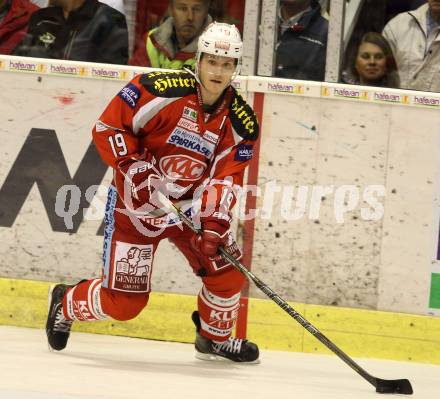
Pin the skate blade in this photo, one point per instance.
(210, 357)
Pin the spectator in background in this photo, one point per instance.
(373, 63)
(301, 49)
(14, 19)
(174, 43)
(394, 7)
(116, 4)
(81, 30)
(40, 3)
(414, 37)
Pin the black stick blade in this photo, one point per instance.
(394, 386)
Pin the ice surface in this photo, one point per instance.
(99, 366)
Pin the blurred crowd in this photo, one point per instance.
(395, 43)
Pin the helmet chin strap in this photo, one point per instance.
(196, 76)
(199, 81)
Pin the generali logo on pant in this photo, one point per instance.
(182, 167)
(132, 268)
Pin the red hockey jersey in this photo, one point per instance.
(162, 112)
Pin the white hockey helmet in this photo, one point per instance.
(221, 39)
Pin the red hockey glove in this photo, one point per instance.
(134, 178)
(215, 220)
(215, 234)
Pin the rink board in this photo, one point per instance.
(359, 333)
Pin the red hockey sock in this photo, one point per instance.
(217, 314)
(83, 302)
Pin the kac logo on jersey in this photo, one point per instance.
(191, 141)
(182, 167)
(190, 114)
(244, 152)
(130, 94)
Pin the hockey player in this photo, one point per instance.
(189, 136)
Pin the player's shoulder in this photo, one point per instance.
(243, 118)
(168, 84)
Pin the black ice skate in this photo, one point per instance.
(57, 326)
(237, 350)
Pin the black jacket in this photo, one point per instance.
(94, 32)
(301, 50)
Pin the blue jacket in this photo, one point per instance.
(301, 50)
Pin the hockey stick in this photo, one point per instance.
(402, 386)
